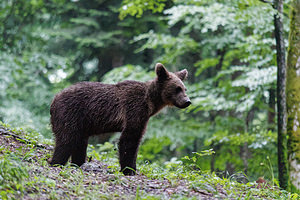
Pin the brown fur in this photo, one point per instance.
(92, 108)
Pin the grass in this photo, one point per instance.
(25, 173)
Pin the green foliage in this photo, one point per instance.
(12, 175)
(137, 7)
(153, 148)
(196, 158)
(227, 47)
(25, 91)
(127, 72)
(16, 17)
(255, 141)
(104, 152)
(181, 131)
(173, 46)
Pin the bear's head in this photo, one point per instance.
(171, 86)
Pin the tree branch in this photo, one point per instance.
(5, 131)
(264, 1)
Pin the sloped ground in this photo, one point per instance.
(94, 174)
(27, 175)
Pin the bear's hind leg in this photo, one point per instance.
(62, 152)
(79, 152)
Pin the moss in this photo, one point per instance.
(293, 89)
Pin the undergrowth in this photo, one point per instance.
(24, 172)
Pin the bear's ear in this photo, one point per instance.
(182, 74)
(161, 72)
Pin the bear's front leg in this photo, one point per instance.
(128, 148)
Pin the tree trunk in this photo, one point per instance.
(271, 111)
(281, 98)
(244, 150)
(293, 97)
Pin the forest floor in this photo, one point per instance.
(25, 174)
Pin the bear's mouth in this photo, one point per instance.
(184, 105)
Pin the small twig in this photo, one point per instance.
(6, 131)
(264, 1)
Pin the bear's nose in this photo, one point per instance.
(187, 103)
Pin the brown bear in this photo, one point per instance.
(90, 108)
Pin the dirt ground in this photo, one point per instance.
(97, 174)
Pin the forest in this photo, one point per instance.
(243, 61)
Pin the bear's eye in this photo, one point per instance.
(178, 89)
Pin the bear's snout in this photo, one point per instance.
(187, 103)
(184, 103)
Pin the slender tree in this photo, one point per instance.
(293, 97)
(281, 97)
(271, 111)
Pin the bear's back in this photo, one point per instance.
(97, 107)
